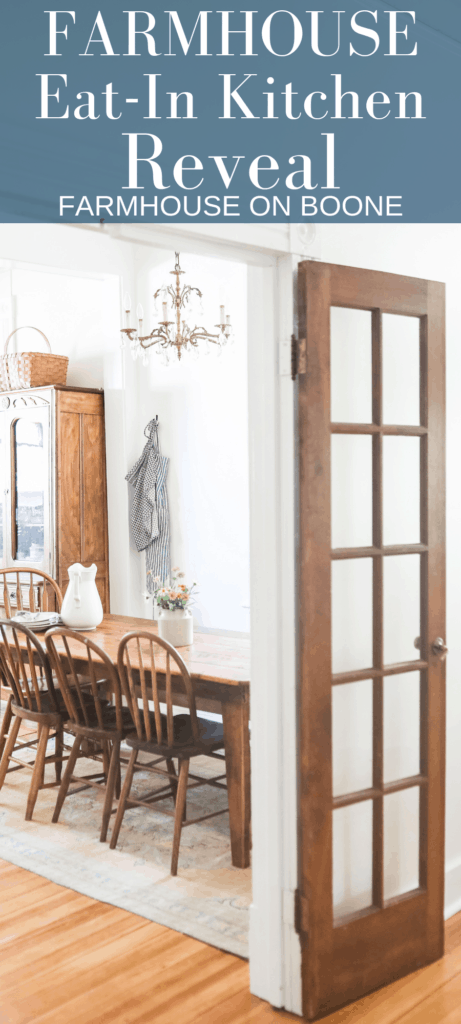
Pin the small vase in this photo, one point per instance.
(177, 626)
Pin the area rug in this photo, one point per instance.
(208, 900)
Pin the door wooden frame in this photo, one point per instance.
(342, 963)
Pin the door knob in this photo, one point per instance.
(439, 647)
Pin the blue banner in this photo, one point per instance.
(152, 115)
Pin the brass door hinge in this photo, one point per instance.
(301, 913)
(298, 356)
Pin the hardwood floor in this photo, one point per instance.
(67, 958)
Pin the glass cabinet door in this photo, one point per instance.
(30, 488)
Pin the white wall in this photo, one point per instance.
(75, 314)
(202, 404)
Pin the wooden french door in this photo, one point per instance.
(372, 629)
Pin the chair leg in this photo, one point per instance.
(66, 778)
(105, 759)
(118, 780)
(6, 722)
(179, 816)
(118, 776)
(42, 775)
(123, 799)
(173, 781)
(38, 772)
(58, 749)
(114, 767)
(174, 784)
(10, 744)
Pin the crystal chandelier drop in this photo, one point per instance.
(178, 302)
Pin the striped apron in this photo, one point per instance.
(150, 518)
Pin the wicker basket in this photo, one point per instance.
(31, 369)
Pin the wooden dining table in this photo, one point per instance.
(220, 670)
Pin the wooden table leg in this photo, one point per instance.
(237, 749)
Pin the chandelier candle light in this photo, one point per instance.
(176, 333)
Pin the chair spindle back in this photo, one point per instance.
(137, 665)
(32, 589)
(19, 664)
(85, 707)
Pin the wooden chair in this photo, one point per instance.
(27, 671)
(89, 716)
(165, 736)
(24, 589)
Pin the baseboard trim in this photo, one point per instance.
(452, 889)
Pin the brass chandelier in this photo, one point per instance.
(175, 333)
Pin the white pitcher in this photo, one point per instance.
(81, 607)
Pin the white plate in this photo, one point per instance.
(37, 621)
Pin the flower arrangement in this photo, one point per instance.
(173, 594)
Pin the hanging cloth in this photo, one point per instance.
(150, 518)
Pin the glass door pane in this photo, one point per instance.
(400, 369)
(401, 842)
(350, 356)
(352, 858)
(351, 491)
(401, 490)
(401, 711)
(352, 623)
(352, 726)
(30, 490)
(402, 616)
